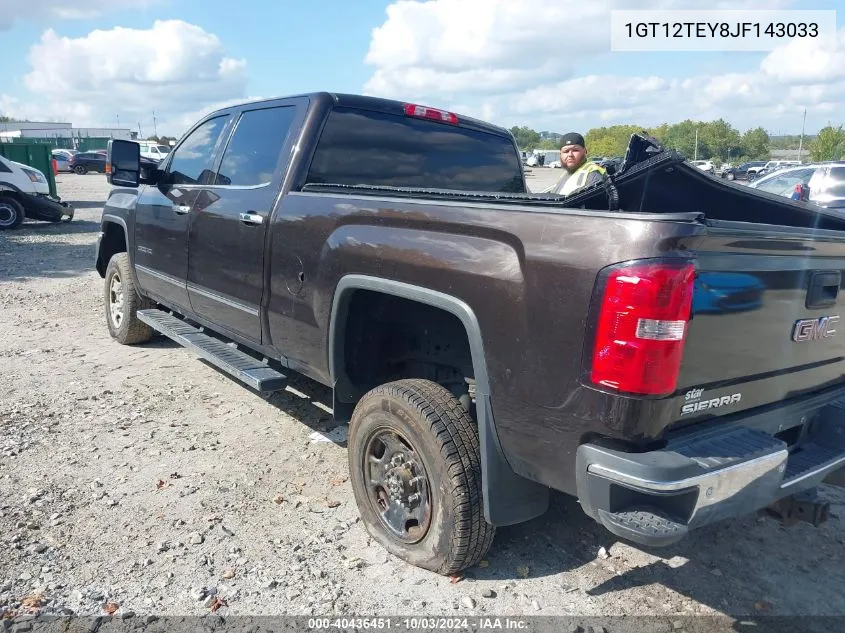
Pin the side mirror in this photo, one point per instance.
(123, 163)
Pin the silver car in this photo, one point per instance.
(821, 183)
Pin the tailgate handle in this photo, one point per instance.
(824, 288)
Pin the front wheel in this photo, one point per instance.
(122, 303)
(415, 469)
(81, 170)
(11, 213)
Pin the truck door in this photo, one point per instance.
(226, 243)
(162, 212)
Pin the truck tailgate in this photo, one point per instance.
(765, 322)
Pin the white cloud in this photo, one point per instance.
(15, 10)
(749, 99)
(808, 61)
(527, 67)
(440, 47)
(181, 121)
(171, 68)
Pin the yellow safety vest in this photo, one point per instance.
(579, 178)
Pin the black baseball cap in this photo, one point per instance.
(572, 138)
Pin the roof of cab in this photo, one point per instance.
(377, 104)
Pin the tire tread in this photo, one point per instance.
(137, 331)
(457, 435)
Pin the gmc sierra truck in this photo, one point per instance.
(664, 346)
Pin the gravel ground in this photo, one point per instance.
(141, 479)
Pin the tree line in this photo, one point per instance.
(716, 140)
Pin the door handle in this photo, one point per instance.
(181, 209)
(251, 218)
(823, 289)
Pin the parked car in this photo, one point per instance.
(543, 158)
(704, 165)
(25, 193)
(62, 160)
(430, 300)
(820, 183)
(774, 165)
(84, 162)
(741, 172)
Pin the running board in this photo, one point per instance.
(244, 367)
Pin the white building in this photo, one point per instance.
(49, 129)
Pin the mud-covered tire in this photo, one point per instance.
(128, 329)
(12, 213)
(441, 435)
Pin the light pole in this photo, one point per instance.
(801, 142)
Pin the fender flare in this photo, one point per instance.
(508, 498)
(108, 218)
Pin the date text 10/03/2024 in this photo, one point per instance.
(416, 624)
(702, 30)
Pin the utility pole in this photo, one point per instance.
(155, 129)
(696, 144)
(801, 142)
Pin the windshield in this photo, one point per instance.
(163, 149)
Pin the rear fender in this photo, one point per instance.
(508, 497)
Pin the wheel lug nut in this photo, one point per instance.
(414, 481)
(414, 498)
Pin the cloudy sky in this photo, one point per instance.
(542, 63)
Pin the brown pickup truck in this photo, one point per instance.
(664, 345)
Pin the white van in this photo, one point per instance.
(153, 150)
(25, 193)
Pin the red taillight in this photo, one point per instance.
(641, 328)
(424, 112)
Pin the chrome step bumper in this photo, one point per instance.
(655, 498)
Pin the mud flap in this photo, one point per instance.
(508, 498)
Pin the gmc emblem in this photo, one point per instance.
(814, 329)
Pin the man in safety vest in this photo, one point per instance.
(578, 171)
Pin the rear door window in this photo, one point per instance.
(253, 153)
(361, 147)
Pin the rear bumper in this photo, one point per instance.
(655, 498)
(40, 207)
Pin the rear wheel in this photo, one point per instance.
(122, 303)
(415, 469)
(11, 213)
